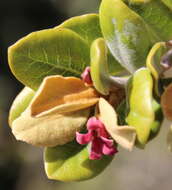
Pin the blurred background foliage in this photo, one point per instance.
(21, 165)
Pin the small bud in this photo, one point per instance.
(86, 77)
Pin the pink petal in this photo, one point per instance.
(109, 150)
(103, 132)
(96, 149)
(108, 142)
(92, 123)
(86, 76)
(95, 124)
(83, 138)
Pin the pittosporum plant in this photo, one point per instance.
(93, 83)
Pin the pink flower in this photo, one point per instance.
(99, 139)
(86, 77)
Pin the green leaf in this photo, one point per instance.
(154, 59)
(168, 3)
(71, 162)
(48, 52)
(87, 26)
(102, 80)
(127, 35)
(156, 124)
(157, 14)
(20, 103)
(141, 114)
(159, 63)
(153, 63)
(99, 67)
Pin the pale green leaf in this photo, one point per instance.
(158, 16)
(154, 59)
(99, 67)
(141, 113)
(48, 52)
(20, 103)
(159, 63)
(127, 35)
(153, 62)
(100, 74)
(87, 26)
(71, 162)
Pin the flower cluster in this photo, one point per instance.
(99, 139)
(103, 129)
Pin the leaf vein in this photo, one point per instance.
(52, 65)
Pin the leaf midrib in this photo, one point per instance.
(50, 64)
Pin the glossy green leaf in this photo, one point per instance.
(154, 59)
(71, 162)
(48, 52)
(20, 103)
(159, 63)
(102, 79)
(156, 124)
(153, 63)
(99, 67)
(158, 16)
(87, 26)
(141, 114)
(127, 35)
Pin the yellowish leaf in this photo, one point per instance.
(20, 103)
(123, 135)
